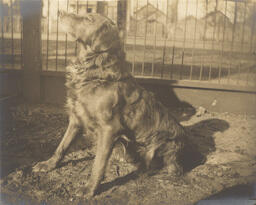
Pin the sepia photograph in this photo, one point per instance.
(128, 102)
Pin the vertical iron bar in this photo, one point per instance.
(128, 17)
(213, 35)
(66, 39)
(57, 37)
(233, 30)
(145, 40)
(201, 71)
(242, 41)
(21, 39)
(204, 39)
(229, 70)
(185, 27)
(214, 29)
(210, 72)
(2, 33)
(222, 49)
(135, 35)
(154, 53)
(106, 10)
(239, 69)
(116, 15)
(234, 27)
(173, 50)
(182, 59)
(184, 40)
(121, 19)
(48, 32)
(12, 40)
(77, 4)
(173, 53)
(218, 29)
(165, 38)
(194, 43)
(253, 28)
(247, 76)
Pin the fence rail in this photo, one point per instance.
(195, 41)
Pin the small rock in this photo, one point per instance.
(243, 128)
(29, 113)
(214, 103)
(200, 111)
(219, 174)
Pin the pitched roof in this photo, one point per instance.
(147, 11)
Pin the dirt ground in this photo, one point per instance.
(226, 140)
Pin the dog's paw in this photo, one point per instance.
(85, 192)
(44, 166)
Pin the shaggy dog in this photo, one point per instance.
(105, 100)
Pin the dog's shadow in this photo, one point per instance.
(200, 142)
(181, 110)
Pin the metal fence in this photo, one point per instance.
(11, 35)
(57, 48)
(185, 40)
(179, 40)
(205, 42)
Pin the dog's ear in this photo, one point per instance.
(106, 37)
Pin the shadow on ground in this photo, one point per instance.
(200, 141)
(182, 110)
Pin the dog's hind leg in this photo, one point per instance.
(171, 161)
(70, 134)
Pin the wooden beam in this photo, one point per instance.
(121, 19)
(121, 14)
(101, 7)
(32, 58)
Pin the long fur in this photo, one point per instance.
(106, 101)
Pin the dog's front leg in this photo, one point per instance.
(105, 143)
(70, 134)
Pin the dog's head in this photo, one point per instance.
(93, 30)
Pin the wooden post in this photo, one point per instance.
(121, 17)
(128, 14)
(101, 7)
(32, 58)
